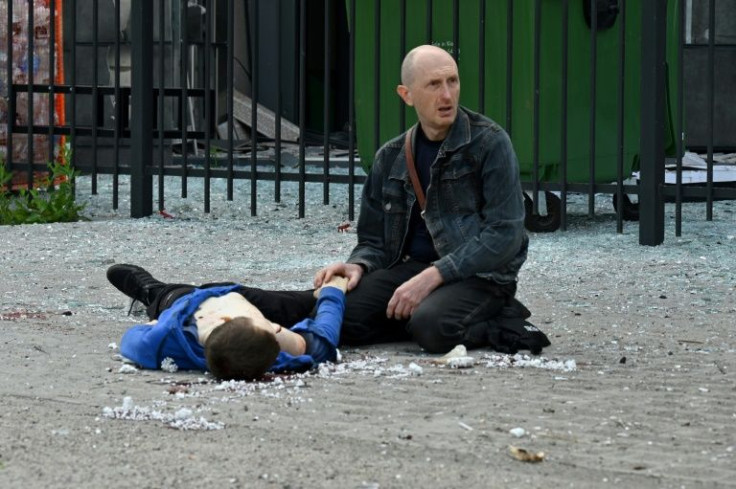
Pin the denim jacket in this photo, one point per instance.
(474, 205)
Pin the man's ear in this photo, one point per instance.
(405, 95)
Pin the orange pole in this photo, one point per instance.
(59, 100)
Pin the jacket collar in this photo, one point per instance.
(458, 136)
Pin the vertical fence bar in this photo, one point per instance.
(141, 199)
(117, 111)
(651, 201)
(482, 57)
(230, 94)
(711, 105)
(302, 100)
(277, 129)
(160, 101)
(254, 111)
(509, 62)
(679, 120)
(402, 53)
(208, 53)
(376, 73)
(52, 77)
(429, 21)
(30, 65)
(593, 94)
(620, 135)
(326, 107)
(351, 114)
(563, 114)
(72, 82)
(73, 131)
(456, 30)
(11, 92)
(95, 98)
(184, 108)
(535, 107)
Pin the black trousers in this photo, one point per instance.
(453, 314)
(458, 313)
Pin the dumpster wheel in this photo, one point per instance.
(543, 224)
(630, 210)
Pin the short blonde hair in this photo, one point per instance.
(239, 350)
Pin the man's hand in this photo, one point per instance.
(337, 282)
(411, 293)
(351, 271)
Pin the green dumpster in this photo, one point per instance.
(388, 108)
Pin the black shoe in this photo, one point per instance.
(135, 282)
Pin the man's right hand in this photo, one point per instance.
(352, 271)
(337, 282)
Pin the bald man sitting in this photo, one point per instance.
(441, 233)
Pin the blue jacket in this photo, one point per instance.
(175, 334)
(474, 209)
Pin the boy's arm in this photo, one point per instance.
(323, 332)
(330, 310)
(290, 342)
(140, 344)
(336, 281)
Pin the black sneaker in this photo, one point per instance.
(135, 282)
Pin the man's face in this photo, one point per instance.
(434, 92)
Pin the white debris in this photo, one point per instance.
(169, 365)
(112, 346)
(183, 419)
(127, 369)
(128, 403)
(458, 352)
(461, 362)
(456, 358)
(527, 361)
(183, 413)
(415, 369)
(517, 432)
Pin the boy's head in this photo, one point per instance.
(240, 350)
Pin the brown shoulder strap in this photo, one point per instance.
(413, 169)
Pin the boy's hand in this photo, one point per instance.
(335, 281)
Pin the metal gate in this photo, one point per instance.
(230, 90)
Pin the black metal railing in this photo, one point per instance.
(589, 90)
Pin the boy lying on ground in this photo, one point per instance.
(217, 328)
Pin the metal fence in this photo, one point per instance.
(591, 91)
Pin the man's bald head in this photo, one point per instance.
(418, 57)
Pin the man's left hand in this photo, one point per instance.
(411, 293)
